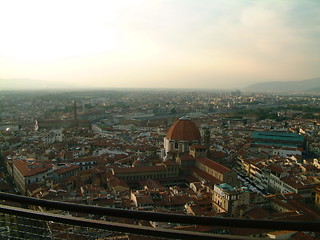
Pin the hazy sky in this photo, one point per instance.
(175, 43)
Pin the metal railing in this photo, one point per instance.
(42, 222)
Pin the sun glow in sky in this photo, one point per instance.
(178, 43)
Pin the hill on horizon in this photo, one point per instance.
(309, 85)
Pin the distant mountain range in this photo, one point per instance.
(309, 85)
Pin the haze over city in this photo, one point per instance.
(164, 44)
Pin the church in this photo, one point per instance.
(63, 123)
(181, 135)
(184, 155)
(184, 145)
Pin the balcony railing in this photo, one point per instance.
(24, 223)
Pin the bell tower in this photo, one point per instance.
(206, 139)
(75, 114)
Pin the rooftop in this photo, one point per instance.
(214, 165)
(225, 187)
(184, 130)
(278, 136)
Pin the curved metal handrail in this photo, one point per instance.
(119, 227)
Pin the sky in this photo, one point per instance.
(211, 44)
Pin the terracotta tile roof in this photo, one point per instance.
(198, 146)
(206, 176)
(276, 169)
(27, 169)
(297, 183)
(217, 154)
(170, 163)
(213, 165)
(66, 169)
(258, 213)
(145, 199)
(184, 130)
(304, 208)
(139, 169)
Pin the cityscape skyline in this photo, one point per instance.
(211, 44)
(222, 155)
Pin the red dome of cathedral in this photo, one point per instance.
(184, 130)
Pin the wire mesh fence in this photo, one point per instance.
(17, 227)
